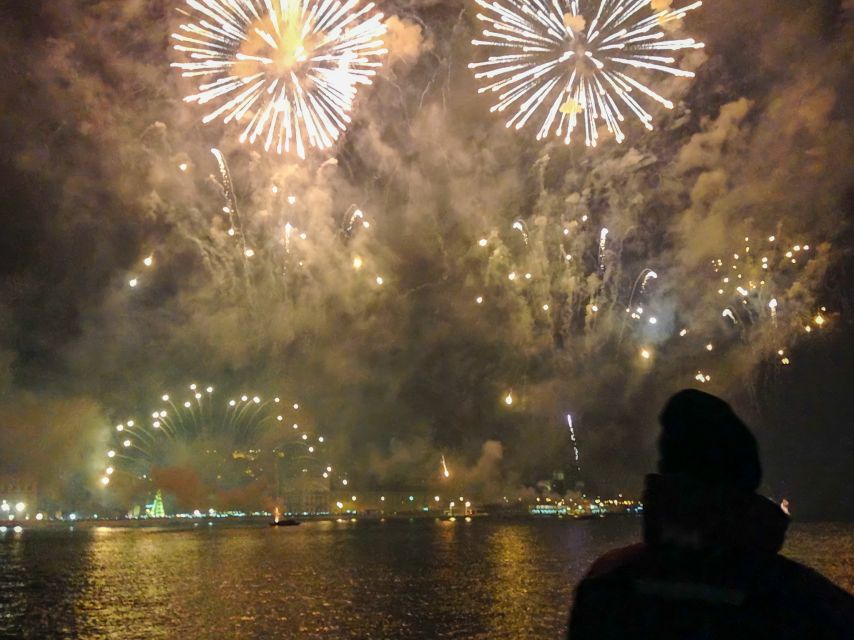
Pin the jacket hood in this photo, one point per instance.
(681, 511)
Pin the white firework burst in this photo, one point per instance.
(570, 60)
(288, 69)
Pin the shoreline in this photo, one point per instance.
(263, 521)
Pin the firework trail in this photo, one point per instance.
(522, 228)
(650, 275)
(603, 238)
(574, 442)
(643, 279)
(569, 62)
(235, 227)
(445, 472)
(290, 68)
(352, 216)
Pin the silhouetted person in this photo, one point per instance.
(708, 567)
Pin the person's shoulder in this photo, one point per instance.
(793, 575)
(614, 560)
(808, 589)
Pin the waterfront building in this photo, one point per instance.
(19, 497)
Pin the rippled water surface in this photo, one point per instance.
(420, 579)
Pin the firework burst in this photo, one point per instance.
(227, 443)
(288, 69)
(569, 62)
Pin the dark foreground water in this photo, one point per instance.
(422, 579)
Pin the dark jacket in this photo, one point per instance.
(708, 569)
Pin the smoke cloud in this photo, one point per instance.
(404, 335)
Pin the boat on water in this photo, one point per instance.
(288, 522)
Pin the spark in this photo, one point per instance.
(575, 69)
(645, 354)
(148, 261)
(289, 70)
(482, 242)
(508, 399)
(445, 471)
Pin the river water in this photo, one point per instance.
(397, 579)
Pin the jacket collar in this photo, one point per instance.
(683, 512)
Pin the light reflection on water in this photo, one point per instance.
(421, 579)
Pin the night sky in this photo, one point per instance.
(94, 133)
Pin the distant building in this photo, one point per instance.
(304, 495)
(19, 496)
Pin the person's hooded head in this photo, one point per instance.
(704, 494)
(704, 439)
